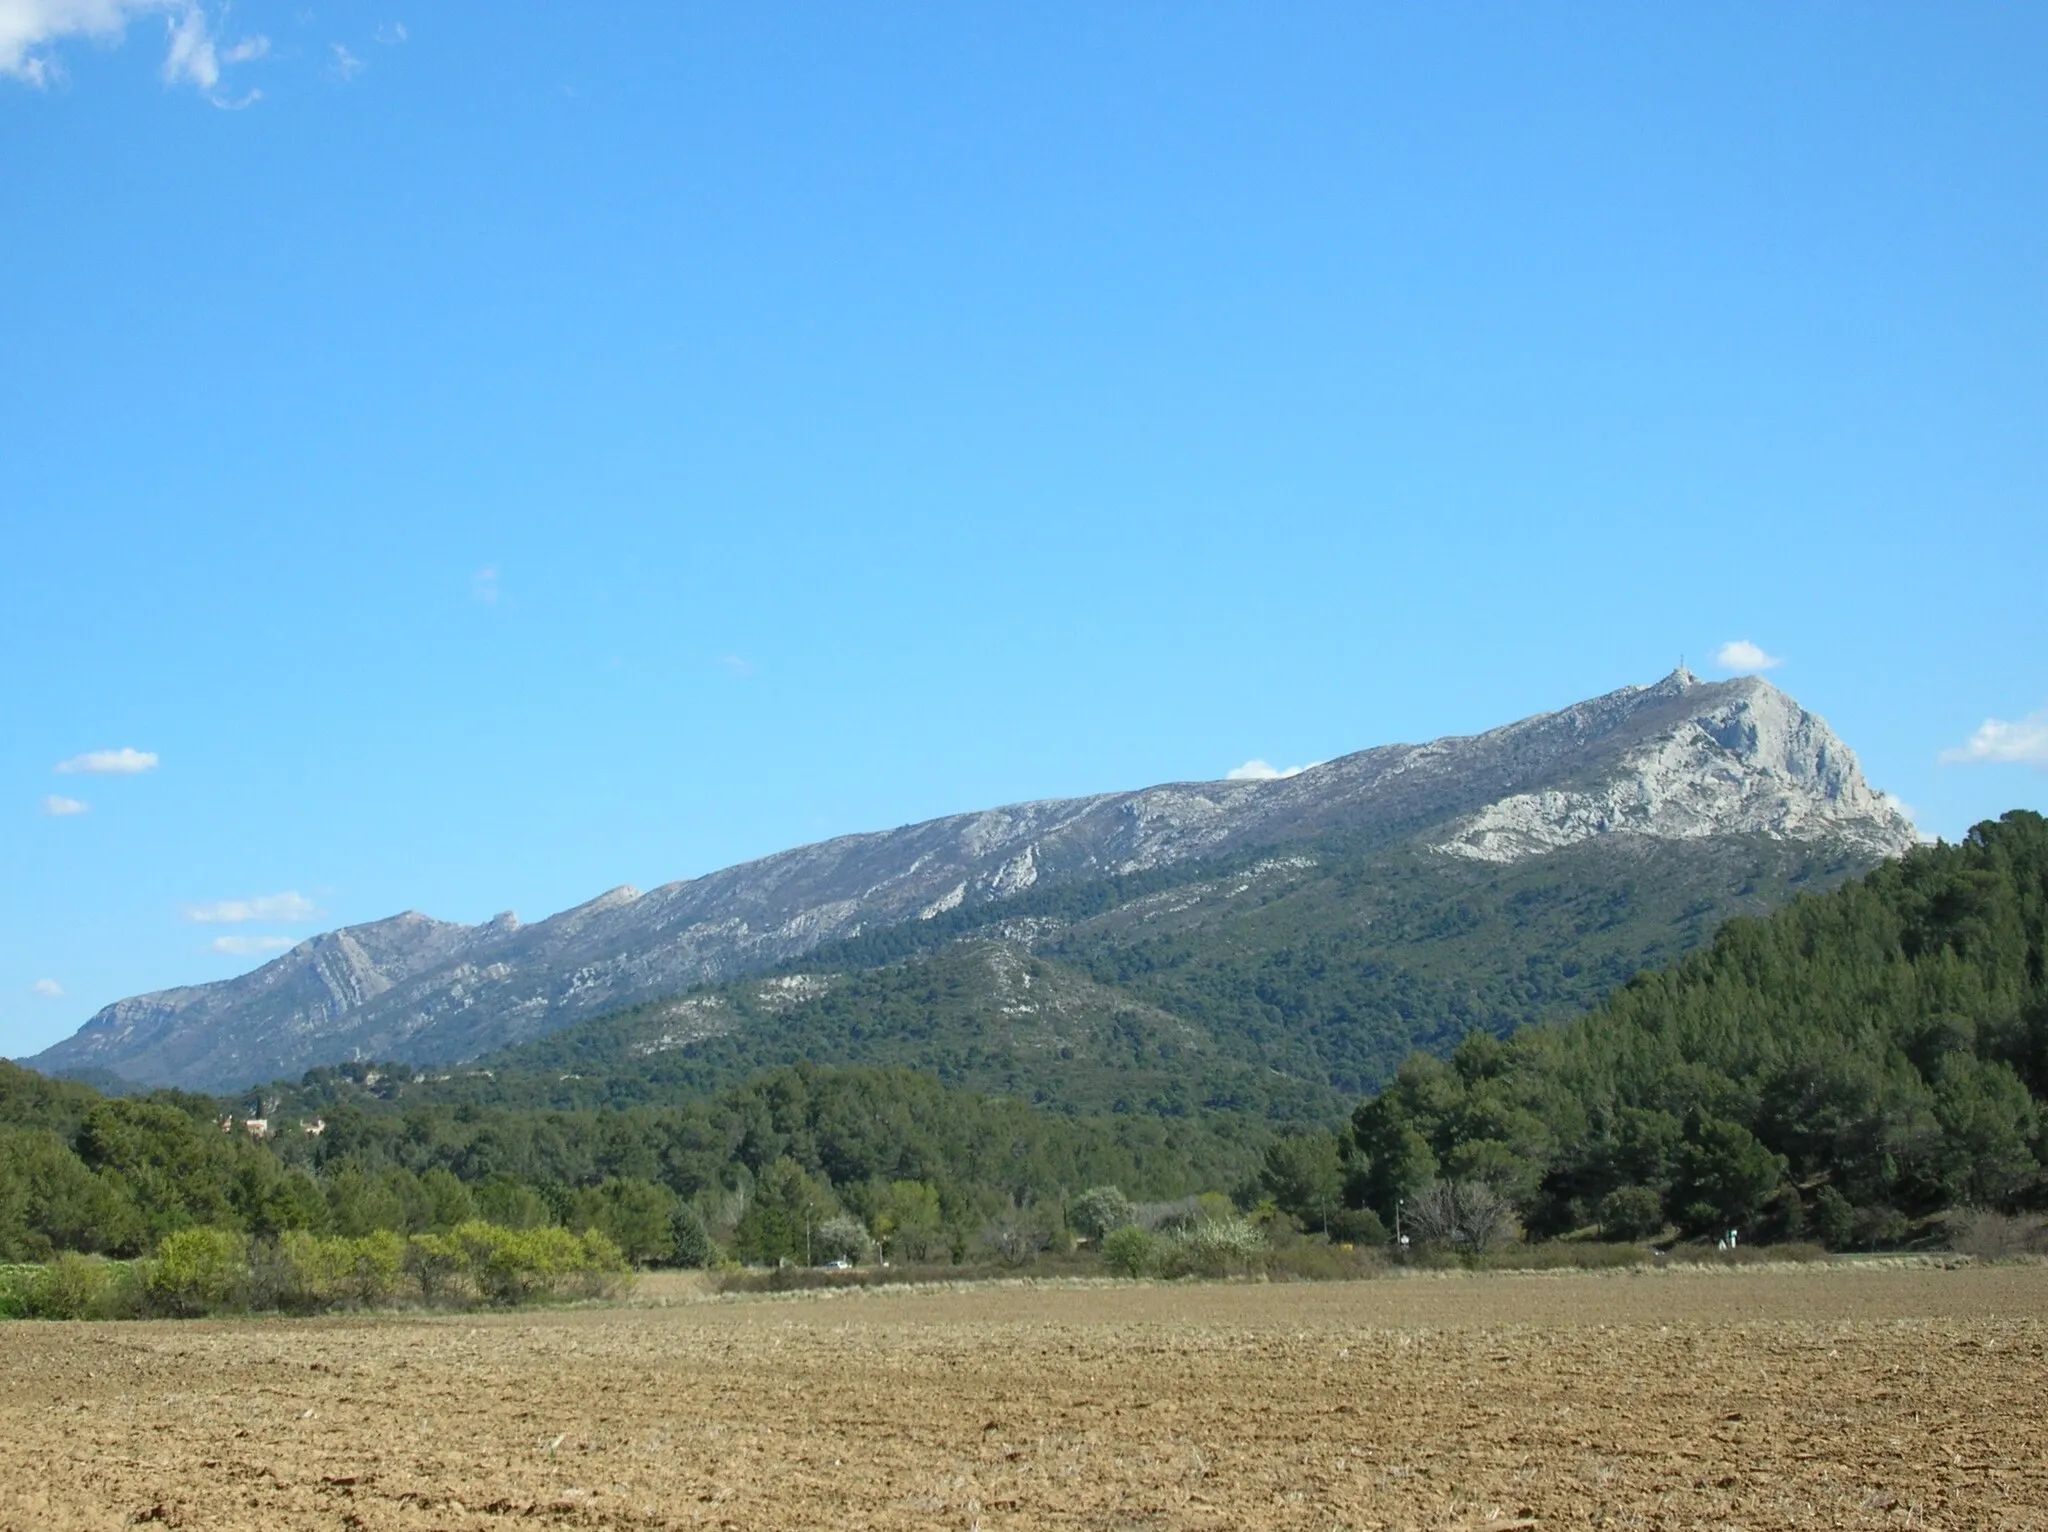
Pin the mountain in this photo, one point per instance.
(1675, 767)
(1276, 986)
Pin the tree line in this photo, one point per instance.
(1839, 1070)
(762, 1168)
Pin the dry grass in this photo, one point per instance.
(1887, 1396)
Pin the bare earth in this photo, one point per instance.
(1870, 1397)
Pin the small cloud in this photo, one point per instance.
(391, 34)
(29, 27)
(193, 56)
(484, 585)
(1741, 654)
(49, 989)
(346, 64)
(1256, 770)
(2024, 743)
(249, 946)
(736, 667)
(125, 762)
(57, 806)
(285, 908)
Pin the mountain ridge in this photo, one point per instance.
(1682, 759)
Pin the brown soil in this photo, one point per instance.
(1864, 1397)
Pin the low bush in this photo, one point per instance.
(18, 1280)
(1318, 1260)
(511, 1266)
(1131, 1251)
(1100, 1210)
(72, 1286)
(1990, 1236)
(1218, 1247)
(209, 1271)
(198, 1271)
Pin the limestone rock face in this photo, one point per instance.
(1679, 760)
(1750, 760)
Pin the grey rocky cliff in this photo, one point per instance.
(1748, 760)
(1678, 760)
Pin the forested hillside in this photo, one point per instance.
(1839, 1069)
(1413, 893)
(1280, 987)
(79, 1172)
(1854, 1061)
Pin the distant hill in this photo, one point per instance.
(1262, 944)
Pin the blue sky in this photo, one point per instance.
(490, 454)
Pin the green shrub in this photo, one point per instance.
(1214, 1247)
(373, 1267)
(1987, 1235)
(1357, 1226)
(1834, 1219)
(693, 1246)
(439, 1266)
(298, 1272)
(73, 1287)
(1130, 1251)
(17, 1282)
(197, 1271)
(507, 1265)
(1631, 1212)
(1318, 1260)
(516, 1265)
(1100, 1210)
(842, 1237)
(604, 1271)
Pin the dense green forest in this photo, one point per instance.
(1853, 1062)
(1838, 1070)
(890, 1147)
(1277, 987)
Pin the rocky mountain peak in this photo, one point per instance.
(1742, 758)
(1678, 760)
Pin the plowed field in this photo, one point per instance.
(1868, 1397)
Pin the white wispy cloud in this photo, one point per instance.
(31, 29)
(49, 989)
(57, 806)
(346, 64)
(484, 585)
(249, 946)
(285, 909)
(1741, 654)
(125, 762)
(391, 34)
(2024, 743)
(736, 667)
(1256, 770)
(193, 56)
